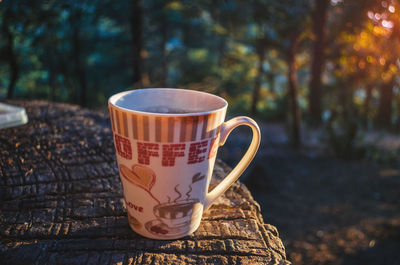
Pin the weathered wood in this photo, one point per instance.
(61, 202)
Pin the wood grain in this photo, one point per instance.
(61, 202)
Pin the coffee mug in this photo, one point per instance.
(166, 141)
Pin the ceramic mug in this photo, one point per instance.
(166, 141)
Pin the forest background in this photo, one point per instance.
(322, 75)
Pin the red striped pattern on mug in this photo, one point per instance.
(165, 129)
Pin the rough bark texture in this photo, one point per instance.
(61, 202)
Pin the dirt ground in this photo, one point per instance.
(327, 210)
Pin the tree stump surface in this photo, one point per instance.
(61, 202)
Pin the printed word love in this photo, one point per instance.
(134, 206)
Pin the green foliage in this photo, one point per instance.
(206, 45)
(65, 50)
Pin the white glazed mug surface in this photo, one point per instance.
(166, 159)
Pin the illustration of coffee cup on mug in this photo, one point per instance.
(175, 214)
(173, 217)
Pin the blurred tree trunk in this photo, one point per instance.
(319, 16)
(164, 39)
(140, 78)
(367, 103)
(260, 73)
(10, 55)
(221, 50)
(384, 116)
(66, 74)
(345, 99)
(77, 57)
(52, 84)
(271, 81)
(293, 87)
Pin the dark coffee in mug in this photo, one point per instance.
(166, 109)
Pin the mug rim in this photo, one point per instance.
(112, 101)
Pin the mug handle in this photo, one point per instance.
(226, 129)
